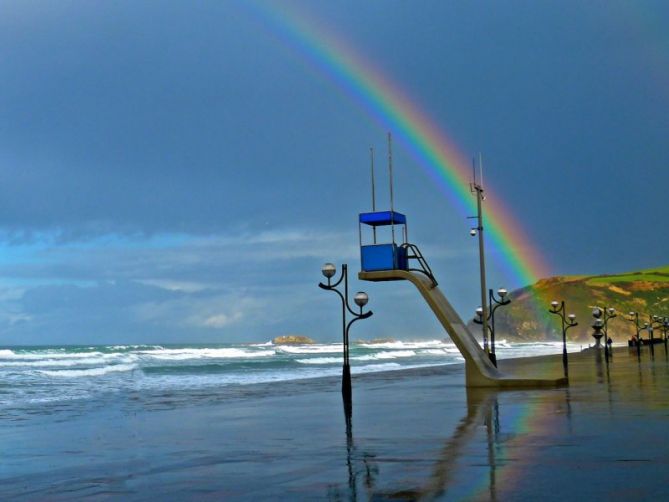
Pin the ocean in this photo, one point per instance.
(48, 379)
(267, 422)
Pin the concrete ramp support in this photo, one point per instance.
(478, 368)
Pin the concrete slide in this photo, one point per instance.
(478, 368)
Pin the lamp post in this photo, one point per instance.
(649, 328)
(657, 321)
(665, 328)
(605, 315)
(634, 317)
(495, 302)
(598, 326)
(329, 270)
(558, 308)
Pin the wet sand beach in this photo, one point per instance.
(412, 434)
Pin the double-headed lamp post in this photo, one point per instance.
(494, 302)
(657, 321)
(598, 326)
(569, 321)
(649, 327)
(663, 324)
(329, 270)
(634, 317)
(604, 315)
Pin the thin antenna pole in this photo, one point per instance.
(474, 170)
(392, 198)
(390, 169)
(484, 290)
(481, 168)
(371, 158)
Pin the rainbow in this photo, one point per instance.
(384, 101)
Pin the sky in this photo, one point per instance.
(179, 171)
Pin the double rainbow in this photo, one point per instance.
(419, 134)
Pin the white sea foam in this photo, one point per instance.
(116, 368)
(372, 368)
(310, 349)
(437, 352)
(59, 397)
(408, 345)
(225, 353)
(54, 354)
(135, 347)
(395, 354)
(320, 360)
(90, 361)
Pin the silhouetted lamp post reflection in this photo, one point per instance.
(558, 308)
(495, 303)
(329, 270)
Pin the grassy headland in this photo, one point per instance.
(527, 317)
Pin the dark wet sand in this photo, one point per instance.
(416, 434)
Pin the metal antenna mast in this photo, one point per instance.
(371, 158)
(390, 170)
(478, 188)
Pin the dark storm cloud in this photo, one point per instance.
(173, 171)
(129, 118)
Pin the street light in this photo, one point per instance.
(558, 308)
(634, 317)
(329, 270)
(664, 326)
(649, 328)
(605, 314)
(497, 302)
(598, 326)
(657, 321)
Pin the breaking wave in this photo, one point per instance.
(64, 373)
(91, 372)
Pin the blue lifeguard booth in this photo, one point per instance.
(387, 256)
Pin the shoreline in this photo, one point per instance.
(414, 433)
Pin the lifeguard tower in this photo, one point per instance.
(388, 256)
(391, 260)
(394, 255)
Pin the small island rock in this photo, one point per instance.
(292, 340)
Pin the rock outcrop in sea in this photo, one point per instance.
(292, 340)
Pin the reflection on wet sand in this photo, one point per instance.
(510, 439)
(481, 406)
(357, 463)
(483, 411)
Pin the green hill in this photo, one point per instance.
(527, 317)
